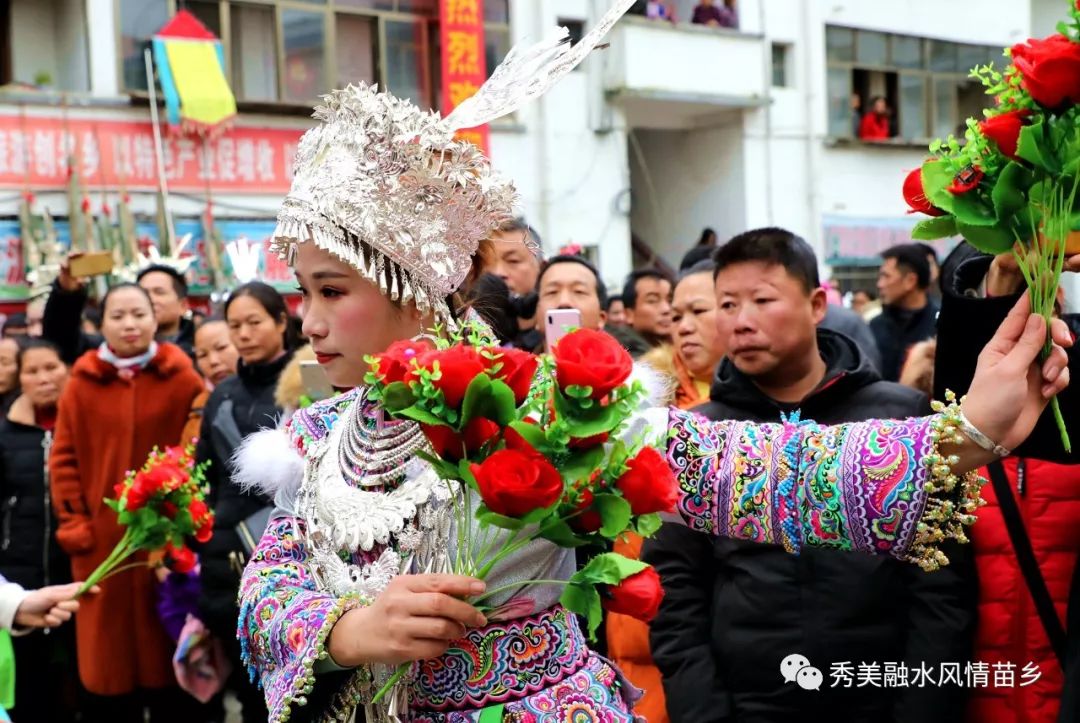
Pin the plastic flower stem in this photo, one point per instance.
(124, 568)
(398, 675)
(119, 553)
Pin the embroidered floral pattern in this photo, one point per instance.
(502, 662)
(284, 619)
(849, 487)
(594, 694)
(313, 424)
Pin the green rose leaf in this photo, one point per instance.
(614, 512)
(476, 395)
(581, 422)
(1031, 147)
(609, 568)
(562, 535)
(934, 228)
(988, 239)
(1010, 190)
(397, 396)
(648, 525)
(585, 601)
(487, 517)
(581, 464)
(419, 415)
(937, 176)
(971, 210)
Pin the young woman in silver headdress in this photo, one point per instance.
(382, 225)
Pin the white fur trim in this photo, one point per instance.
(266, 462)
(659, 387)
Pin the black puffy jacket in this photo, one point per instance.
(29, 553)
(247, 399)
(734, 610)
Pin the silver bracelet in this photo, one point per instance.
(981, 439)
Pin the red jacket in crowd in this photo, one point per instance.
(108, 424)
(1009, 627)
(874, 127)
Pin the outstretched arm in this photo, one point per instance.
(885, 487)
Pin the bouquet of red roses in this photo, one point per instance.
(1011, 185)
(536, 439)
(161, 506)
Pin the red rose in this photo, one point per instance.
(518, 371)
(1004, 130)
(648, 483)
(1050, 70)
(590, 358)
(169, 510)
(514, 483)
(458, 366)
(206, 530)
(916, 197)
(199, 512)
(589, 520)
(638, 596)
(966, 180)
(182, 560)
(396, 362)
(450, 445)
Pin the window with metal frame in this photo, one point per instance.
(924, 82)
(292, 51)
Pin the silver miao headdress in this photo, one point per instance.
(378, 170)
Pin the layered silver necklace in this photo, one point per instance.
(374, 450)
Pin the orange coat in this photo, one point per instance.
(108, 425)
(628, 646)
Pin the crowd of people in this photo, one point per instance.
(745, 331)
(710, 13)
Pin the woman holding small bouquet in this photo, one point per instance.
(122, 400)
(350, 581)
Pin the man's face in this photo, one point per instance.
(168, 306)
(569, 285)
(767, 319)
(894, 283)
(616, 314)
(652, 313)
(512, 261)
(15, 332)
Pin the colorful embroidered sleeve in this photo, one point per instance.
(284, 619)
(876, 486)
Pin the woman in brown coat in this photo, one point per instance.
(123, 399)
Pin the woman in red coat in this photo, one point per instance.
(1010, 631)
(123, 399)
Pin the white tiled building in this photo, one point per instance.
(670, 129)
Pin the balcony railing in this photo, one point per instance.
(668, 75)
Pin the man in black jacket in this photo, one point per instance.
(734, 610)
(978, 291)
(62, 319)
(908, 314)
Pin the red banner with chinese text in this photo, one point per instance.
(110, 153)
(464, 68)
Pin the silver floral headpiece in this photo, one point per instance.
(386, 188)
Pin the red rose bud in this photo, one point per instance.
(590, 358)
(205, 531)
(518, 371)
(589, 520)
(395, 363)
(182, 560)
(648, 483)
(458, 366)
(453, 446)
(638, 596)
(966, 180)
(169, 510)
(514, 483)
(916, 197)
(1004, 130)
(1049, 70)
(588, 442)
(198, 511)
